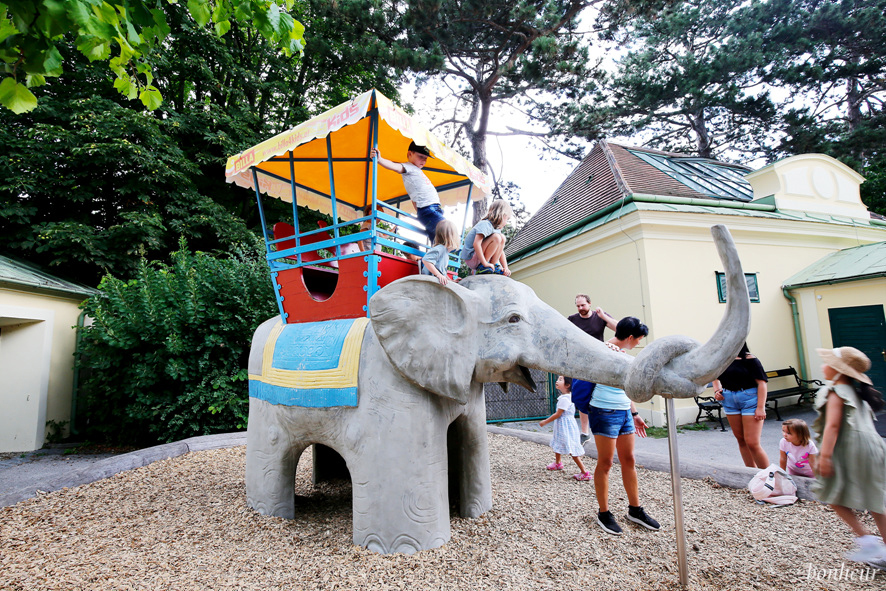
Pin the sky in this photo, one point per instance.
(523, 160)
(520, 159)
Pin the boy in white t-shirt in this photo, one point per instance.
(418, 186)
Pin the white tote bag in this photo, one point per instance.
(773, 485)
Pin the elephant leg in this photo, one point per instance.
(468, 440)
(401, 501)
(271, 459)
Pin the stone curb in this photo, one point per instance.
(111, 466)
(736, 477)
(730, 476)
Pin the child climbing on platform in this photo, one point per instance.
(798, 451)
(417, 184)
(852, 458)
(436, 259)
(566, 439)
(484, 248)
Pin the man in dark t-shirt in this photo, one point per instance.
(593, 323)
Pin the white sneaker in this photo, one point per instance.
(879, 563)
(867, 548)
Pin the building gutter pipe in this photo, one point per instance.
(798, 337)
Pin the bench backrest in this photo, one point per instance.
(780, 373)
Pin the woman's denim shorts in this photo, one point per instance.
(610, 423)
(740, 402)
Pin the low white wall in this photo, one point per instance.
(25, 360)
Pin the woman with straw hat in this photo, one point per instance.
(852, 461)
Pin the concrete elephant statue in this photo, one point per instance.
(412, 428)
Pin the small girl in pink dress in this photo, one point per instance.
(798, 451)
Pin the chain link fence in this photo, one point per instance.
(518, 403)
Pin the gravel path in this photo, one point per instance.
(183, 524)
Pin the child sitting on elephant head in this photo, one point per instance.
(484, 248)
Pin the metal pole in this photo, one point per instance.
(264, 230)
(678, 492)
(294, 205)
(372, 259)
(332, 192)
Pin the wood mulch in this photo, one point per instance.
(183, 524)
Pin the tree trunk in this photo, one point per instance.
(853, 113)
(477, 135)
(703, 140)
(853, 104)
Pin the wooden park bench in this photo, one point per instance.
(805, 389)
(707, 405)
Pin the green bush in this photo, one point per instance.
(166, 355)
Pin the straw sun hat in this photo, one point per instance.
(849, 361)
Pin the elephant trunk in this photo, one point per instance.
(678, 367)
(563, 348)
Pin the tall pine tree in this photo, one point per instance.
(524, 53)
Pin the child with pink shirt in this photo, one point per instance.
(798, 451)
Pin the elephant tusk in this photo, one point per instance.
(532, 387)
(518, 375)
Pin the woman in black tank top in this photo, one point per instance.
(742, 391)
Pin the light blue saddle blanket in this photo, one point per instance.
(312, 364)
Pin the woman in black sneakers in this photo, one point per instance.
(614, 420)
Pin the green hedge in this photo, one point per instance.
(166, 355)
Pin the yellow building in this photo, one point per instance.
(38, 318)
(840, 301)
(630, 228)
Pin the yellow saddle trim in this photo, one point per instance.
(343, 376)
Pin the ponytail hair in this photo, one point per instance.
(869, 394)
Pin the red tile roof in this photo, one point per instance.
(609, 173)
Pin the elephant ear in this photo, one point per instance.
(430, 333)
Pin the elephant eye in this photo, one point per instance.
(514, 319)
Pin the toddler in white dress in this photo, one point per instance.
(566, 438)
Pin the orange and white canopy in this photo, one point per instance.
(303, 154)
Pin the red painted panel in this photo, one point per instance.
(306, 295)
(284, 230)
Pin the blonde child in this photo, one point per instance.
(798, 451)
(566, 439)
(437, 258)
(484, 249)
(852, 460)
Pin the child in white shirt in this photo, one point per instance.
(417, 184)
